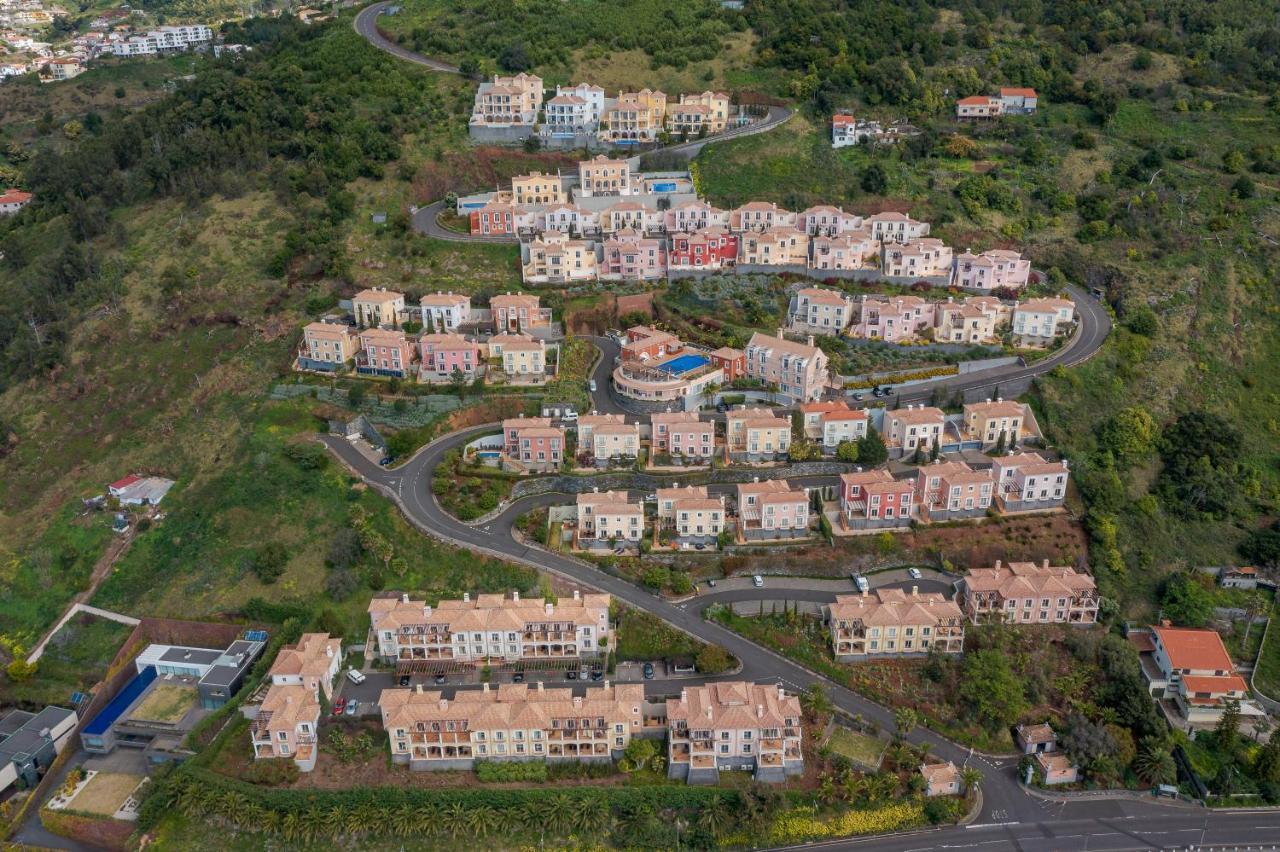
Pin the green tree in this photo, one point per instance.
(1186, 600)
(1153, 763)
(871, 449)
(712, 659)
(905, 719)
(847, 451)
(1129, 434)
(990, 689)
(458, 381)
(1266, 764)
(815, 700)
(874, 179)
(269, 561)
(971, 778)
(1227, 731)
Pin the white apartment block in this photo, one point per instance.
(605, 516)
(445, 311)
(1041, 320)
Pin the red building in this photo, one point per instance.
(494, 218)
(710, 249)
(732, 361)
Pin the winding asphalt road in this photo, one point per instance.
(366, 24)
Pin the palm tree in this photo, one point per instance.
(714, 817)
(482, 820)
(591, 815)
(291, 826)
(426, 820)
(558, 813)
(826, 789)
(971, 777)
(454, 818)
(1154, 764)
(905, 720)
(404, 820)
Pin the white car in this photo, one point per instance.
(914, 573)
(355, 676)
(592, 385)
(757, 581)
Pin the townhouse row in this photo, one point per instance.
(891, 622)
(285, 723)
(609, 222)
(583, 112)
(728, 725)
(895, 319)
(376, 345)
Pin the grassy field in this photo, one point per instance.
(860, 748)
(105, 793)
(73, 661)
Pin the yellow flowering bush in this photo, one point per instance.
(914, 375)
(803, 824)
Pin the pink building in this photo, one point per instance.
(948, 490)
(991, 270)
(892, 318)
(871, 499)
(922, 258)
(384, 352)
(772, 509)
(848, 250)
(630, 256)
(681, 433)
(533, 442)
(442, 354)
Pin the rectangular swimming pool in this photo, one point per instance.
(682, 364)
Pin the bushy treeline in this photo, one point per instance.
(523, 36)
(308, 111)
(626, 817)
(895, 53)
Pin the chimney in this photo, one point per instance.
(1046, 564)
(577, 596)
(1164, 622)
(915, 591)
(466, 596)
(444, 704)
(759, 711)
(810, 340)
(426, 611)
(577, 701)
(418, 689)
(515, 596)
(549, 607)
(485, 687)
(404, 598)
(997, 564)
(328, 650)
(988, 399)
(708, 712)
(755, 479)
(780, 333)
(540, 686)
(684, 695)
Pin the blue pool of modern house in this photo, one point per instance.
(686, 363)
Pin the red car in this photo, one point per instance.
(339, 705)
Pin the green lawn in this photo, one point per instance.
(74, 661)
(1266, 678)
(860, 748)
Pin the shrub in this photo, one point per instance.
(273, 772)
(269, 561)
(496, 772)
(713, 659)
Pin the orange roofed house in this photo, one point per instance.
(772, 509)
(734, 725)
(1192, 673)
(893, 623)
(533, 443)
(1029, 593)
(418, 637)
(510, 722)
(518, 312)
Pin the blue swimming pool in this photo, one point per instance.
(682, 364)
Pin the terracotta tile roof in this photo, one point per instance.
(996, 408)
(377, 296)
(782, 346)
(1028, 579)
(734, 705)
(311, 657)
(1014, 92)
(15, 196)
(892, 607)
(1214, 684)
(917, 416)
(673, 418)
(823, 296)
(1054, 761)
(484, 612)
(517, 342)
(285, 706)
(512, 706)
(443, 300)
(1036, 734)
(1194, 649)
(689, 492)
(940, 774)
(1050, 305)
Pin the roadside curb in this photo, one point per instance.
(975, 811)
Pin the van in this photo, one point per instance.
(569, 416)
(355, 676)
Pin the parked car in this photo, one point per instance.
(722, 407)
(518, 677)
(914, 573)
(861, 582)
(591, 385)
(339, 705)
(353, 707)
(439, 679)
(572, 674)
(570, 417)
(651, 497)
(404, 680)
(648, 671)
(857, 397)
(355, 676)
(597, 674)
(385, 460)
(757, 581)
(711, 583)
